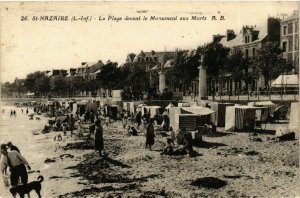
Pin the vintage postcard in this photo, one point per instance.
(149, 99)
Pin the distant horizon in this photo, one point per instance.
(28, 46)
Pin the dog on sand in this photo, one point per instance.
(26, 188)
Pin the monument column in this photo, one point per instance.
(162, 81)
(202, 80)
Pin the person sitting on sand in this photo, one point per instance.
(98, 137)
(169, 148)
(132, 131)
(12, 147)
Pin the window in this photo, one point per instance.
(284, 30)
(290, 28)
(247, 53)
(296, 27)
(253, 52)
(284, 46)
(147, 59)
(296, 43)
(155, 59)
(139, 59)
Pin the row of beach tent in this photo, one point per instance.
(233, 117)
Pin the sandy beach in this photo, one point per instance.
(71, 168)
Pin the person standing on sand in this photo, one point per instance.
(16, 162)
(71, 124)
(98, 137)
(138, 119)
(27, 111)
(79, 129)
(150, 135)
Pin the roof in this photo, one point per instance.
(291, 80)
(238, 40)
(154, 54)
(293, 16)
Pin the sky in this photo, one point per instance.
(28, 45)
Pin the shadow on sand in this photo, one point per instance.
(115, 162)
(204, 144)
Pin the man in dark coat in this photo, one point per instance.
(150, 135)
(99, 142)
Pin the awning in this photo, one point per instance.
(291, 80)
(198, 110)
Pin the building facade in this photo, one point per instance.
(247, 41)
(289, 39)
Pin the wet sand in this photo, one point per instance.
(248, 168)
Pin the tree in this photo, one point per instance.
(37, 82)
(108, 75)
(269, 61)
(58, 84)
(215, 58)
(236, 65)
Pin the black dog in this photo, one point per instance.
(26, 188)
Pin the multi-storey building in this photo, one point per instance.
(247, 41)
(289, 39)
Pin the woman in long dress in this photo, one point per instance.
(99, 142)
(150, 135)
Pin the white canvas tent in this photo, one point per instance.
(175, 112)
(240, 117)
(294, 117)
(169, 106)
(291, 80)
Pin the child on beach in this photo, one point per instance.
(79, 129)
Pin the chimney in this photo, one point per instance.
(217, 37)
(83, 63)
(230, 35)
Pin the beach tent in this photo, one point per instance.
(183, 104)
(169, 106)
(125, 106)
(218, 117)
(294, 117)
(130, 107)
(92, 106)
(268, 104)
(112, 111)
(240, 118)
(189, 117)
(290, 80)
(153, 110)
(173, 111)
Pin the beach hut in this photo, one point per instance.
(153, 110)
(241, 118)
(170, 106)
(130, 107)
(112, 111)
(218, 117)
(82, 107)
(294, 117)
(190, 117)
